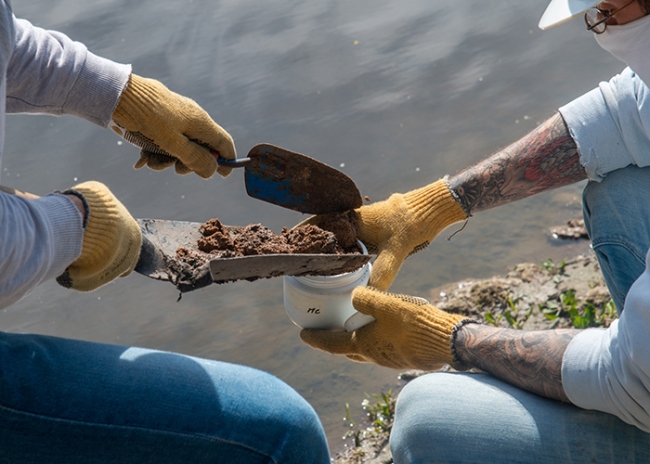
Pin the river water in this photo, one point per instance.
(395, 94)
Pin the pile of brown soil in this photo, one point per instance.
(256, 239)
(335, 233)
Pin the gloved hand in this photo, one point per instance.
(111, 243)
(170, 129)
(402, 225)
(408, 333)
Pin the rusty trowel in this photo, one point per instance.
(162, 238)
(295, 181)
(274, 175)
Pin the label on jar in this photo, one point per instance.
(308, 304)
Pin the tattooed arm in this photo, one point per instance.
(544, 159)
(531, 360)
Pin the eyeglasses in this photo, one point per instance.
(596, 18)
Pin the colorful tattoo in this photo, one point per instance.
(544, 159)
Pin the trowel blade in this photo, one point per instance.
(161, 239)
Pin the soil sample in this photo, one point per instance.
(336, 233)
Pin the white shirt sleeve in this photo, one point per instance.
(611, 125)
(50, 73)
(609, 369)
(38, 240)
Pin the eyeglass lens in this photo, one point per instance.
(597, 19)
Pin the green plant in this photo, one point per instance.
(489, 317)
(553, 269)
(353, 433)
(382, 412)
(550, 310)
(581, 318)
(510, 315)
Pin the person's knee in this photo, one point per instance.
(300, 418)
(619, 198)
(303, 434)
(420, 413)
(617, 217)
(442, 417)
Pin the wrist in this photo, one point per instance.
(457, 362)
(111, 241)
(134, 103)
(434, 338)
(435, 205)
(80, 202)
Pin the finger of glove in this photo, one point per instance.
(329, 341)
(181, 168)
(357, 358)
(207, 133)
(142, 162)
(198, 159)
(225, 148)
(385, 269)
(154, 161)
(370, 301)
(223, 171)
(381, 304)
(371, 223)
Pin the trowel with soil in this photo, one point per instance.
(193, 255)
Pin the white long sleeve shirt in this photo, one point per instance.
(46, 72)
(609, 369)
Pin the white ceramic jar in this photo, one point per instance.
(325, 302)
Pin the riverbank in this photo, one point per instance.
(531, 296)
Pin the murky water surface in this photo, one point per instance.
(395, 94)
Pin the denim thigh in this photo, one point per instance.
(617, 217)
(472, 418)
(67, 401)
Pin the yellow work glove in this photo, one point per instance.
(111, 243)
(408, 333)
(170, 129)
(403, 224)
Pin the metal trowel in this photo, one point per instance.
(295, 181)
(282, 177)
(161, 239)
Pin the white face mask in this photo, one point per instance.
(630, 43)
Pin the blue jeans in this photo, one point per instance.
(476, 418)
(66, 401)
(472, 418)
(617, 217)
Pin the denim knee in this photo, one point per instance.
(617, 217)
(305, 439)
(470, 418)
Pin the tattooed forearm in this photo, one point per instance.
(544, 159)
(531, 360)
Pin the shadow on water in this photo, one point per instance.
(395, 94)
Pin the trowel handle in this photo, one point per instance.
(231, 163)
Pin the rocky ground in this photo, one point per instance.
(531, 296)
